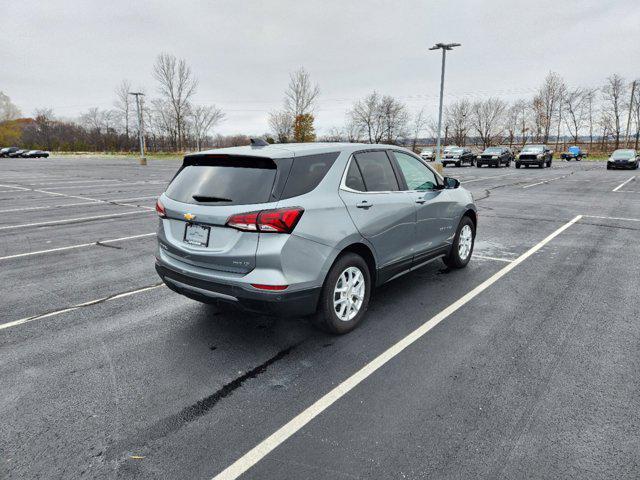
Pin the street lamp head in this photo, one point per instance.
(136, 93)
(445, 46)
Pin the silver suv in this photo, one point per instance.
(304, 229)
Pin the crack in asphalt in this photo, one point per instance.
(100, 244)
(174, 422)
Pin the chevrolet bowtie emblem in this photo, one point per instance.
(188, 216)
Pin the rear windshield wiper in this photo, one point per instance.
(205, 199)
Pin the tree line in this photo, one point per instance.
(601, 117)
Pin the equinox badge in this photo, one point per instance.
(189, 216)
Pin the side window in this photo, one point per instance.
(377, 172)
(417, 175)
(354, 178)
(307, 172)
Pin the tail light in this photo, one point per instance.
(281, 220)
(160, 210)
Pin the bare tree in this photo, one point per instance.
(487, 119)
(458, 117)
(281, 123)
(352, 131)
(123, 104)
(365, 115)
(512, 122)
(614, 95)
(8, 111)
(576, 108)
(204, 118)
(395, 119)
(177, 86)
(419, 124)
(636, 116)
(590, 96)
(301, 95)
(545, 104)
(380, 118)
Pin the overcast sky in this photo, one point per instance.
(70, 55)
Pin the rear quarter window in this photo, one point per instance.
(307, 172)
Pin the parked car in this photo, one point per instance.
(458, 156)
(573, 153)
(624, 158)
(35, 154)
(428, 153)
(8, 150)
(495, 157)
(539, 155)
(307, 229)
(448, 149)
(16, 153)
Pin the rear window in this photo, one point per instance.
(224, 181)
(306, 173)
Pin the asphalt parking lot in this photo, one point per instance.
(527, 364)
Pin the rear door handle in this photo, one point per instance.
(421, 200)
(364, 204)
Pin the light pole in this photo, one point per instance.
(444, 47)
(143, 160)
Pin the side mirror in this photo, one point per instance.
(451, 182)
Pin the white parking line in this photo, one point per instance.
(544, 181)
(482, 257)
(91, 202)
(488, 178)
(613, 218)
(14, 323)
(70, 220)
(261, 450)
(623, 184)
(72, 247)
(133, 184)
(13, 187)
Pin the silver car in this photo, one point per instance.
(307, 229)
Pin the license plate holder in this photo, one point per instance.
(195, 234)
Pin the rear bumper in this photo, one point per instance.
(297, 303)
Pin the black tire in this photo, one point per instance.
(526, 165)
(608, 167)
(517, 164)
(508, 165)
(458, 164)
(479, 165)
(326, 317)
(549, 164)
(453, 259)
(541, 165)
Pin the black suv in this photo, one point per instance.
(539, 155)
(459, 156)
(495, 157)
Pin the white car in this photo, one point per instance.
(428, 153)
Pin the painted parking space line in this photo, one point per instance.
(623, 184)
(624, 219)
(132, 184)
(544, 181)
(77, 219)
(73, 247)
(78, 204)
(481, 257)
(55, 313)
(487, 178)
(253, 456)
